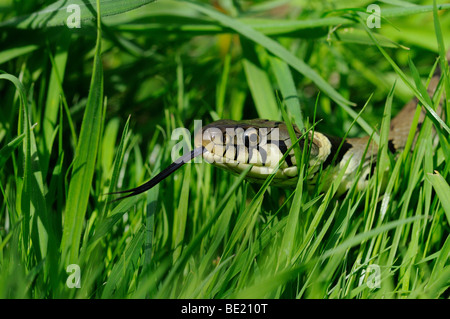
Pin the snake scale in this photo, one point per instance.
(236, 145)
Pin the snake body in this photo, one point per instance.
(236, 145)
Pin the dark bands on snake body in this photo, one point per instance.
(261, 143)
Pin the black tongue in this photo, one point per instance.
(162, 175)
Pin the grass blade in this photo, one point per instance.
(84, 162)
(259, 83)
(422, 98)
(124, 267)
(442, 189)
(288, 90)
(273, 47)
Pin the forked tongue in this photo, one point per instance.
(162, 175)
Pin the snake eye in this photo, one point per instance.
(251, 138)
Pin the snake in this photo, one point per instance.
(259, 145)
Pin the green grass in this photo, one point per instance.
(89, 111)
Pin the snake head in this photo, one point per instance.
(234, 145)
